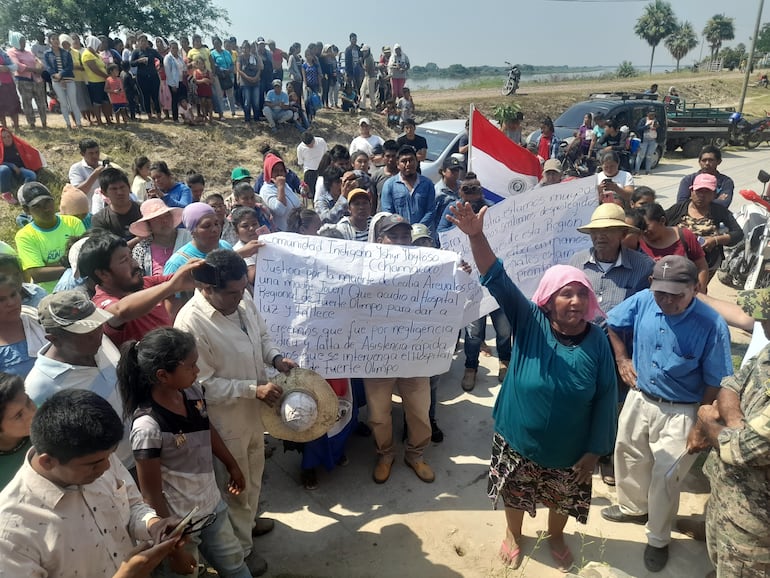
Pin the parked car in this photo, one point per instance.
(443, 138)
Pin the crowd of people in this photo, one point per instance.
(126, 318)
(112, 80)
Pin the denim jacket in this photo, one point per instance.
(67, 69)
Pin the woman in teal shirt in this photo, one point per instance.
(555, 413)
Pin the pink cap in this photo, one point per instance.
(704, 181)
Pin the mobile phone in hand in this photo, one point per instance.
(180, 527)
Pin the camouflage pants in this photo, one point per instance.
(723, 556)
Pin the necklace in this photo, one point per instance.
(15, 449)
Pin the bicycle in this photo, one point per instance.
(511, 84)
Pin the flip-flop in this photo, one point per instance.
(9, 198)
(564, 561)
(510, 557)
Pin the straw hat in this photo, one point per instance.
(150, 209)
(307, 409)
(605, 216)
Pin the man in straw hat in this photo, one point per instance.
(737, 426)
(681, 353)
(615, 272)
(234, 348)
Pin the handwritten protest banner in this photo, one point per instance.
(530, 232)
(352, 309)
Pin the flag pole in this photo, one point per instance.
(468, 162)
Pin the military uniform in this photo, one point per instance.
(738, 512)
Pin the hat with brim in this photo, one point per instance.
(71, 311)
(307, 409)
(606, 216)
(151, 209)
(358, 193)
(673, 274)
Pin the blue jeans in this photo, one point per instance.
(250, 96)
(646, 151)
(8, 177)
(475, 333)
(218, 545)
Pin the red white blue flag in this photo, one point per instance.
(503, 167)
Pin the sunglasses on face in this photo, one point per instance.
(470, 189)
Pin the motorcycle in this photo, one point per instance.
(511, 84)
(747, 264)
(744, 133)
(758, 132)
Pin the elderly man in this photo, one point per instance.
(615, 271)
(234, 349)
(414, 391)
(408, 193)
(78, 355)
(73, 509)
(737, 427)
(709, 160)
(681, 354)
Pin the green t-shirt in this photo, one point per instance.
(45, 247)
(11, 462)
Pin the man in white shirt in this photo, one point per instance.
(78, 355)
(309, 154)
(73, 509)
(234, 350)
(365, 141)
(85, 173)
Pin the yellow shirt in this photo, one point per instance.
(194, 53)
(80, 75)
(91, 76)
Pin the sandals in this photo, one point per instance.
(564, 560)
(9, 198)
(511, 557)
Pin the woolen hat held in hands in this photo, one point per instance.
(307, 409)
(605, 216)
(71, 311)
(673, 274)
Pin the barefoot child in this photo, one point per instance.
(113, 86)
(187, 113)
(174, 446)
(202, 78)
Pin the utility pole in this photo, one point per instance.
(747, 73)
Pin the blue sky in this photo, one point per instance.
(474, 32)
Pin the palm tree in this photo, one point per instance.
(681, 41)
(657, 22)
(718, 28)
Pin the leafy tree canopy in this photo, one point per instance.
(656, 23)
(681, 41)
(154, 17)
(763, 40)
(718, 29)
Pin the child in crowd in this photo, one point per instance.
(174, 445)
(247, 227)
(113, 85)
(141, 177)
(349, 98)
(187, 113)
(202, 78)
(197, 184)
(300, 118)
(130, 88)
(405, 106)
(16, 411)
(642, 196)
(391, 112)
(303, 221)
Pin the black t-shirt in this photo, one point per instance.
(115, 223)
(11, 155)
(418, 142)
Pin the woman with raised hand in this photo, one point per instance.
(555, 413)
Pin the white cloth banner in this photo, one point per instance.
(530, 232)
(352, 309)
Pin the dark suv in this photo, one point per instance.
(625, 108)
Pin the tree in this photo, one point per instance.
(681, 41)
(626, 70)
(763, 39)
(732, 57)
(154, 17)
(657, 22)
(718, 28)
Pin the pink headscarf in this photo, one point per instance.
(557, 277)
